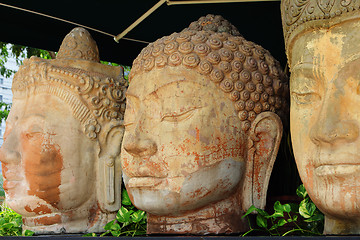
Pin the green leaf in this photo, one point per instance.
(123, 215)
(315, 218)
(109, 224)
(137, 216)
(115, 227)
(28, 233)
(276, 215)
(115, 233)
(250, 210)
(301, 191)
(262, 212)
(306, 208)
(261, 221)
(278, 207)
(287, 208)
(273, 227)
(125, 199)
(281, 222)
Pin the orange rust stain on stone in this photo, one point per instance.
(5, 184)
(309, 180)
(48, 220)
(197, 134)
(94, 213)
(43, 163)
(42, 209)
(4, 169)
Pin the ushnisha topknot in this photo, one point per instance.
(215, 23)
(245, 71)
(95, 92)
(302, 15)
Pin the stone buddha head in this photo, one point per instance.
(323, 48)
(61, 151)
(201, 128)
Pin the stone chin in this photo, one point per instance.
(335, 194)
(30, 206)
(178, 195)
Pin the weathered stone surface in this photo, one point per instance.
(61, 151)
(201, 132)
(323, 53)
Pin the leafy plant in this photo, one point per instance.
(4, 111)
(2, 192)
(129, 220)
(11, 223)
(19, 52)
(303, 218)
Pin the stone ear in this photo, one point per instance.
(264, 140)
(109, 170)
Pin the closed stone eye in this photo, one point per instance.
(305, 98)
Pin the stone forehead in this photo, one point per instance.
(301, 15)
(245, 71)
(94, 97)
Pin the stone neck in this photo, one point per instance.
(336, 226)
(223, 217)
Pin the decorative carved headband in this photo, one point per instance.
(250, 76)
(302, 15)
(95, 92)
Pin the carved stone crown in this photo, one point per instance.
(300, 15)
(95, 92)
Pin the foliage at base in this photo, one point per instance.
(129, 221)
(11, 223)
(289, 219)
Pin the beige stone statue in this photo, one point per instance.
(201, 129)
(323, 48)
(61, 151)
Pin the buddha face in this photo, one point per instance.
(325, 116)
(183, 146)
(47, 161)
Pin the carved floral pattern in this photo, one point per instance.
(94, 97)
(298, 12)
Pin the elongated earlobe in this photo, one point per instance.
(265, 137)
(109, 171)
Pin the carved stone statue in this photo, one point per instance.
(323, 48)
(201, 128)
(61, 151)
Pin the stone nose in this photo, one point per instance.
(139, 146)
(346, 130)
(334, 124)
(9, 153)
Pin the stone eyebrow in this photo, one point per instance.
(36, 115)
(184, 80)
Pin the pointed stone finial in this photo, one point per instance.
(79, 44)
